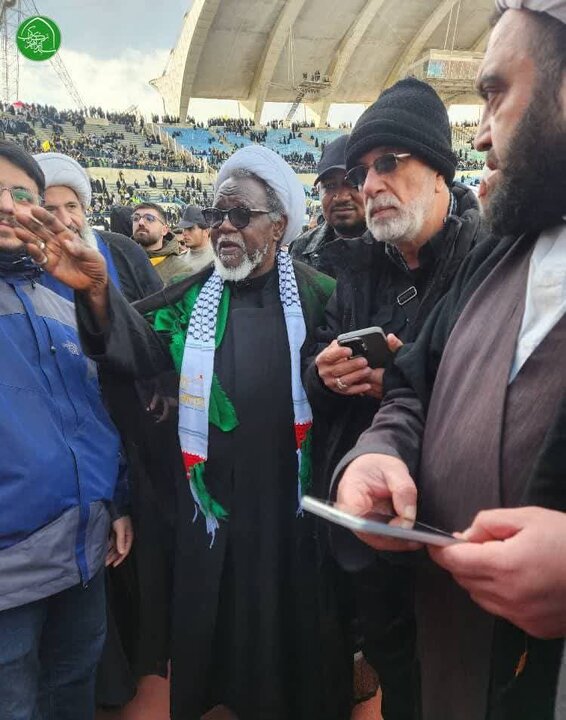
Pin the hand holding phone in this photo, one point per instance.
(370, 343)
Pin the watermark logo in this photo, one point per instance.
(38, 38)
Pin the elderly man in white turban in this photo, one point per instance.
(256, 625)
(68, 196)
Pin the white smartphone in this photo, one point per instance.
(378, 524)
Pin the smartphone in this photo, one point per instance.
(370, 343)
(378, 523)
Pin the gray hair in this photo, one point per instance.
(274, 204)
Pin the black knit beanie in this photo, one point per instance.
(411, 116)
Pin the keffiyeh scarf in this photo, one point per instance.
(202, 400)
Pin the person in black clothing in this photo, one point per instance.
(422, 225)
(342, 209)
(471, 434)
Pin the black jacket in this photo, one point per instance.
(369, 283)
(321, 248)
(138, 278)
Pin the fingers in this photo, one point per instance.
(393, 342)
(333, 353)
(403, 492)
(344, 376)
(469, 561)
(386, 544)
(43, 218)
(500, 524)
(112, 555)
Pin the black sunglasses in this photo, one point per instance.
(383, 165)
(239, 217)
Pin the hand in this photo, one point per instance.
(57, 249)
(513, 566)
(375, 378)
(341, 373)
(120, 542)
(379, 483)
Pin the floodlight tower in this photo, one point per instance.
(10, 19)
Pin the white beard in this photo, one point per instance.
(88, 237)
(402, 229)
(245, 268)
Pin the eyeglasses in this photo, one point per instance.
(384, 165)
(239, 217)
(22, 196)
(146, 217)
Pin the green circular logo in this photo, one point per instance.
(38, 38)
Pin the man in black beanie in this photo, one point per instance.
(421, 225)
(342, 210)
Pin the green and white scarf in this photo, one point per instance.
(202, 400)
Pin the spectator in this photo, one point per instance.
(195, 237)
(151, 231)
(343, 211)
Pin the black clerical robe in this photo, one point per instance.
(257, 624)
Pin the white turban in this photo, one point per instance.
(61, 169)
(274, 171)
(556, 8)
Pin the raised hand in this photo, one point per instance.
(58, 251)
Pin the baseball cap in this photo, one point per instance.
(333, 157)
(192, 216)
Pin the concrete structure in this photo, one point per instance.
(317, 51)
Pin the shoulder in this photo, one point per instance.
(123, 247)
(309, 277)
(309, 241)
(172, 294)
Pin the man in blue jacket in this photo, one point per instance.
(59, 473)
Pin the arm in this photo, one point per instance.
(113, 333)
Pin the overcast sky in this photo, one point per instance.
(113, 48)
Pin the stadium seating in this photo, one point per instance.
(196, 140)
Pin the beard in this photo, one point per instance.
(88, 237)
(247, 264)
(405, 226)
(530, 194)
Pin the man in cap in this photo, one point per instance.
(151, 230)
(342, 209)
(195, 237)
(421, 224)
(472, 430)
(255, 626)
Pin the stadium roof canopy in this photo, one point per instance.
(322, 51)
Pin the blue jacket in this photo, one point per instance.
(60, 459)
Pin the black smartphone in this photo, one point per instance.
(370, 343)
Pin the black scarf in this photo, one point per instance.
(18, 264)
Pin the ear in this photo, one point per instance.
(279, 227)
(439, 183)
